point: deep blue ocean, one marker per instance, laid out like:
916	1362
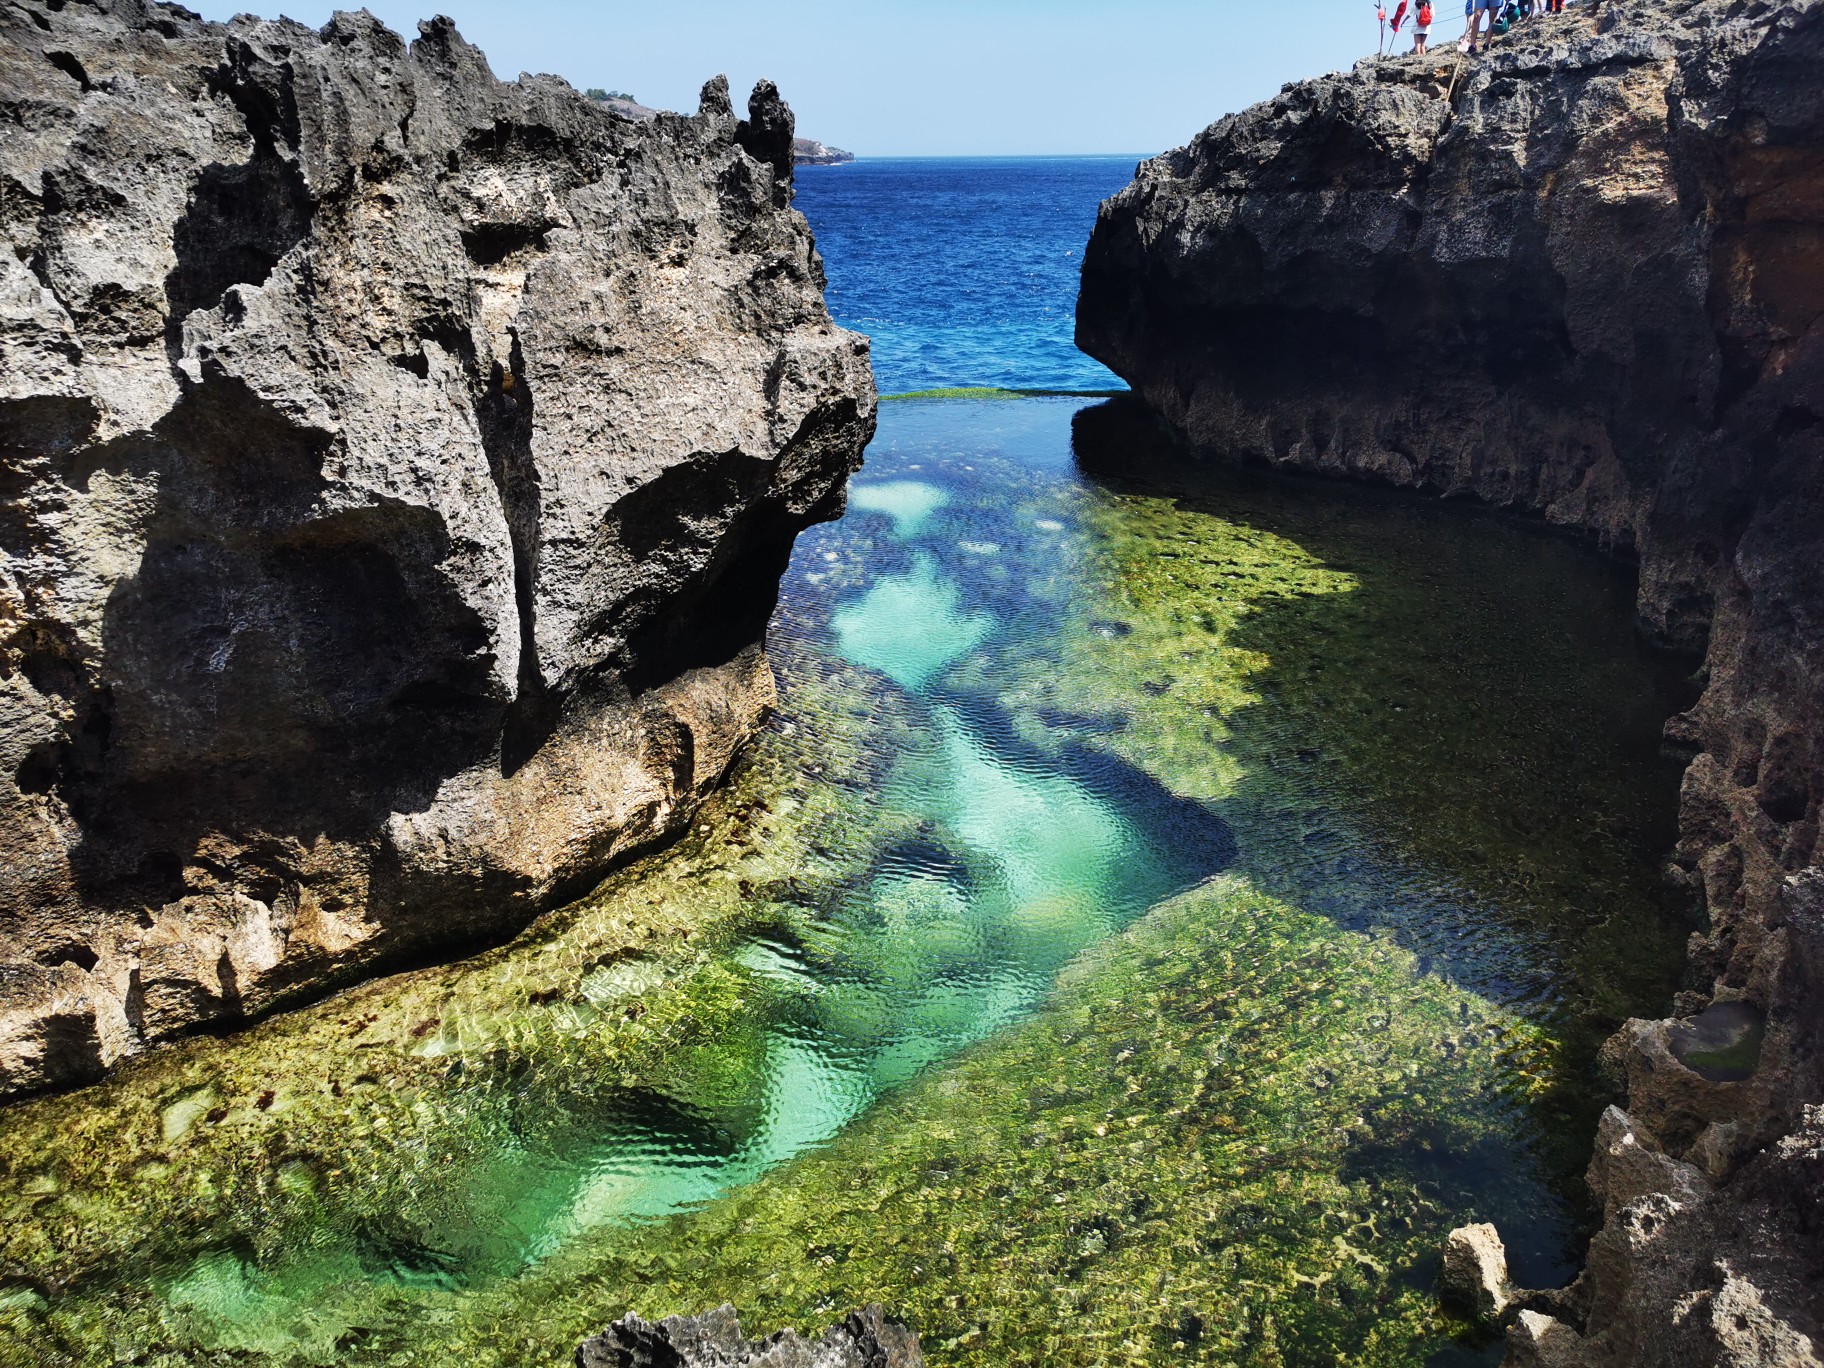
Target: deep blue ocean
963	270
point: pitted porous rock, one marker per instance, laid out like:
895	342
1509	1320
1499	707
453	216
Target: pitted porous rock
397	467
1474	1277
1579	277
867	1339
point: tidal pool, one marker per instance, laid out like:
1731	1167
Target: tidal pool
1167	902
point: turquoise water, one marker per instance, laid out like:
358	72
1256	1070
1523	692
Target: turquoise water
1013	859
1064	820
1166	902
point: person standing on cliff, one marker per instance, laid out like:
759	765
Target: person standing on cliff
1473	10
1421	28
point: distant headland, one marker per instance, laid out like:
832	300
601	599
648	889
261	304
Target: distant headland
810	152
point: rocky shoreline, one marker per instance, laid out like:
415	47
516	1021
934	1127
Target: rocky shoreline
398	467
810	152
1577	277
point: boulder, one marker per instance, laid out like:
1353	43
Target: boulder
1541	1341
1474	1278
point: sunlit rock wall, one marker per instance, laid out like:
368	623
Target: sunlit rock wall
396	471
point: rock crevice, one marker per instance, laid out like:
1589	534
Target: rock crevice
396	469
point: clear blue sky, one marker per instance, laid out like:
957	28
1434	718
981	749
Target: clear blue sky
921	77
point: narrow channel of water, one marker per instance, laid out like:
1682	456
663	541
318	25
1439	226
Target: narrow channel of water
1166	903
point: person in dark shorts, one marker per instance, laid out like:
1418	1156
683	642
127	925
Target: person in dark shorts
1476	10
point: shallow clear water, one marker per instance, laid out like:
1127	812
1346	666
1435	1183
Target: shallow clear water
1152	923
963	270
1168	901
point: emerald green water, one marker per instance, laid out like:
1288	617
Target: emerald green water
1165	905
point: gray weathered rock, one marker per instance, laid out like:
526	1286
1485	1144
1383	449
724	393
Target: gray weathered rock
867	1339
1541	1341
805	151
396	470
1578	277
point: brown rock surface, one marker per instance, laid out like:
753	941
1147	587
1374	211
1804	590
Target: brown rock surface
396	470
1474	1277
1582	277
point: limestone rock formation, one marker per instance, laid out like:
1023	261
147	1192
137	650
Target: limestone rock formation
1579	277
396	471
805	151
867	1339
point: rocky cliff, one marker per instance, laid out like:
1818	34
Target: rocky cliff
396	471
1583	277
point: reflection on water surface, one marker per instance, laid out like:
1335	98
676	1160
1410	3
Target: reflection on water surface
1153	920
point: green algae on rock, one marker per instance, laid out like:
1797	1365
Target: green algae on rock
1046	993
1158	1166
1455	685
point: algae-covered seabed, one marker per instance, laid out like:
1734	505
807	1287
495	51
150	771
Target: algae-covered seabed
1152	922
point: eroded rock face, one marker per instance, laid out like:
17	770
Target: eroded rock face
1584	277
867	1339
396	471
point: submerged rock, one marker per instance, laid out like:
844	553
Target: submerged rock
1577	277
867	1339
396	471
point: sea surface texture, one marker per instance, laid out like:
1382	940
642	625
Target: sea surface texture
1167	902
963	270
